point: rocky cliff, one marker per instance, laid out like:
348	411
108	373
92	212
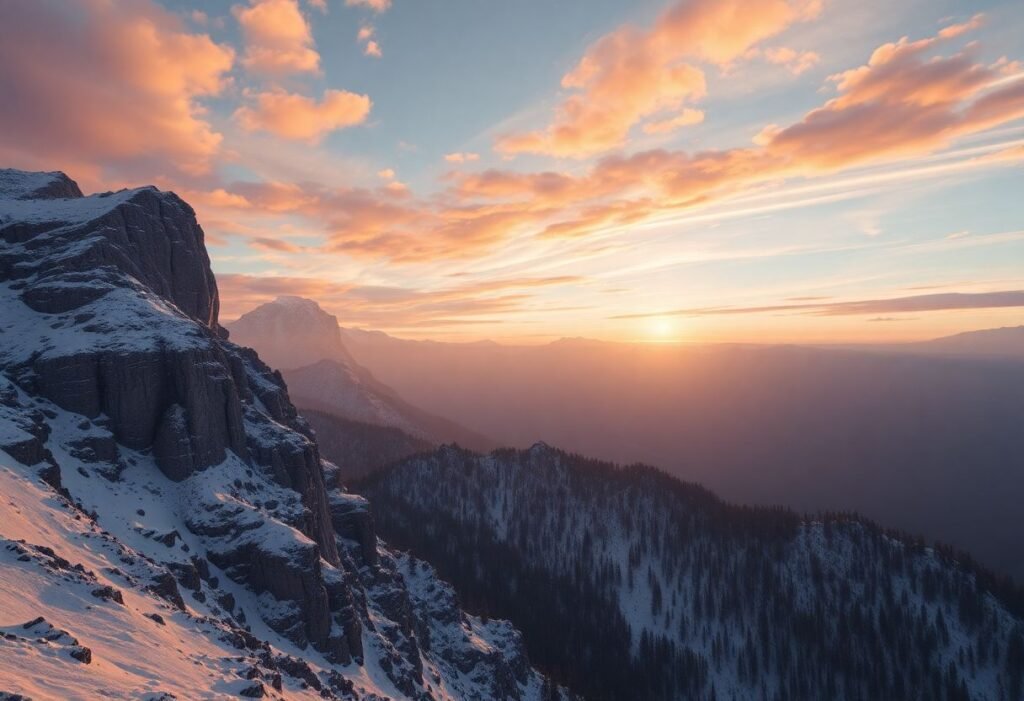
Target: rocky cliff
120	393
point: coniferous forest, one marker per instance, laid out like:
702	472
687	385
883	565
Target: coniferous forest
630	584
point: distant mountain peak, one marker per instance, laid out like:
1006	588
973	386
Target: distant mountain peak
291	332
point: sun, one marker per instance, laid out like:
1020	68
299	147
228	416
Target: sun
661	328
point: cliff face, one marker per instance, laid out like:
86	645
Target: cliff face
117	383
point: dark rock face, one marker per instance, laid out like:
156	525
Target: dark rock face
150	235
296	577
352	518
165	396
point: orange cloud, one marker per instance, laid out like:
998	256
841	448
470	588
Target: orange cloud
955	30
277	245
365	35
302	118
631	75
109	92
684	119
461	157
796	61
902	102
277	37
905	102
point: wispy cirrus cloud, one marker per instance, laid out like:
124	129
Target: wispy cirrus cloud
942	301
393	306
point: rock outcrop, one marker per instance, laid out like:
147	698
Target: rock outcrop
118	386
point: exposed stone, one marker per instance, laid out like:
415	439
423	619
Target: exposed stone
353	519
172	446
253	691
82	654
166	587
187	575
108	593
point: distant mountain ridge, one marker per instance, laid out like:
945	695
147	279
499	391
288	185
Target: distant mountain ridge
926	442
1007	341
305	343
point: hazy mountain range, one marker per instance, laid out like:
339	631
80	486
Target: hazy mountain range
922	437
926	441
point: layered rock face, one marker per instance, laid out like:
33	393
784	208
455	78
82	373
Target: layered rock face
117	383
125	332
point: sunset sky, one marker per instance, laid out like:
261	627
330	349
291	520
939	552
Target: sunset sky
698	170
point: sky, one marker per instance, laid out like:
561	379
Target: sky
643	170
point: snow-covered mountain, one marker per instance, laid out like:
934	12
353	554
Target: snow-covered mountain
296	336
628	583
169	529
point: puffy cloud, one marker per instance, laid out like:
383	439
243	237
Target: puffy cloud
631	74
298	117
278	40
375	5
111	92
461	157
366	36
386	174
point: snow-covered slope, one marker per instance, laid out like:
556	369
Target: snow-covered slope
655	587
166	512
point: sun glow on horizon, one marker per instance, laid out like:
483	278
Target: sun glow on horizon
663	329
